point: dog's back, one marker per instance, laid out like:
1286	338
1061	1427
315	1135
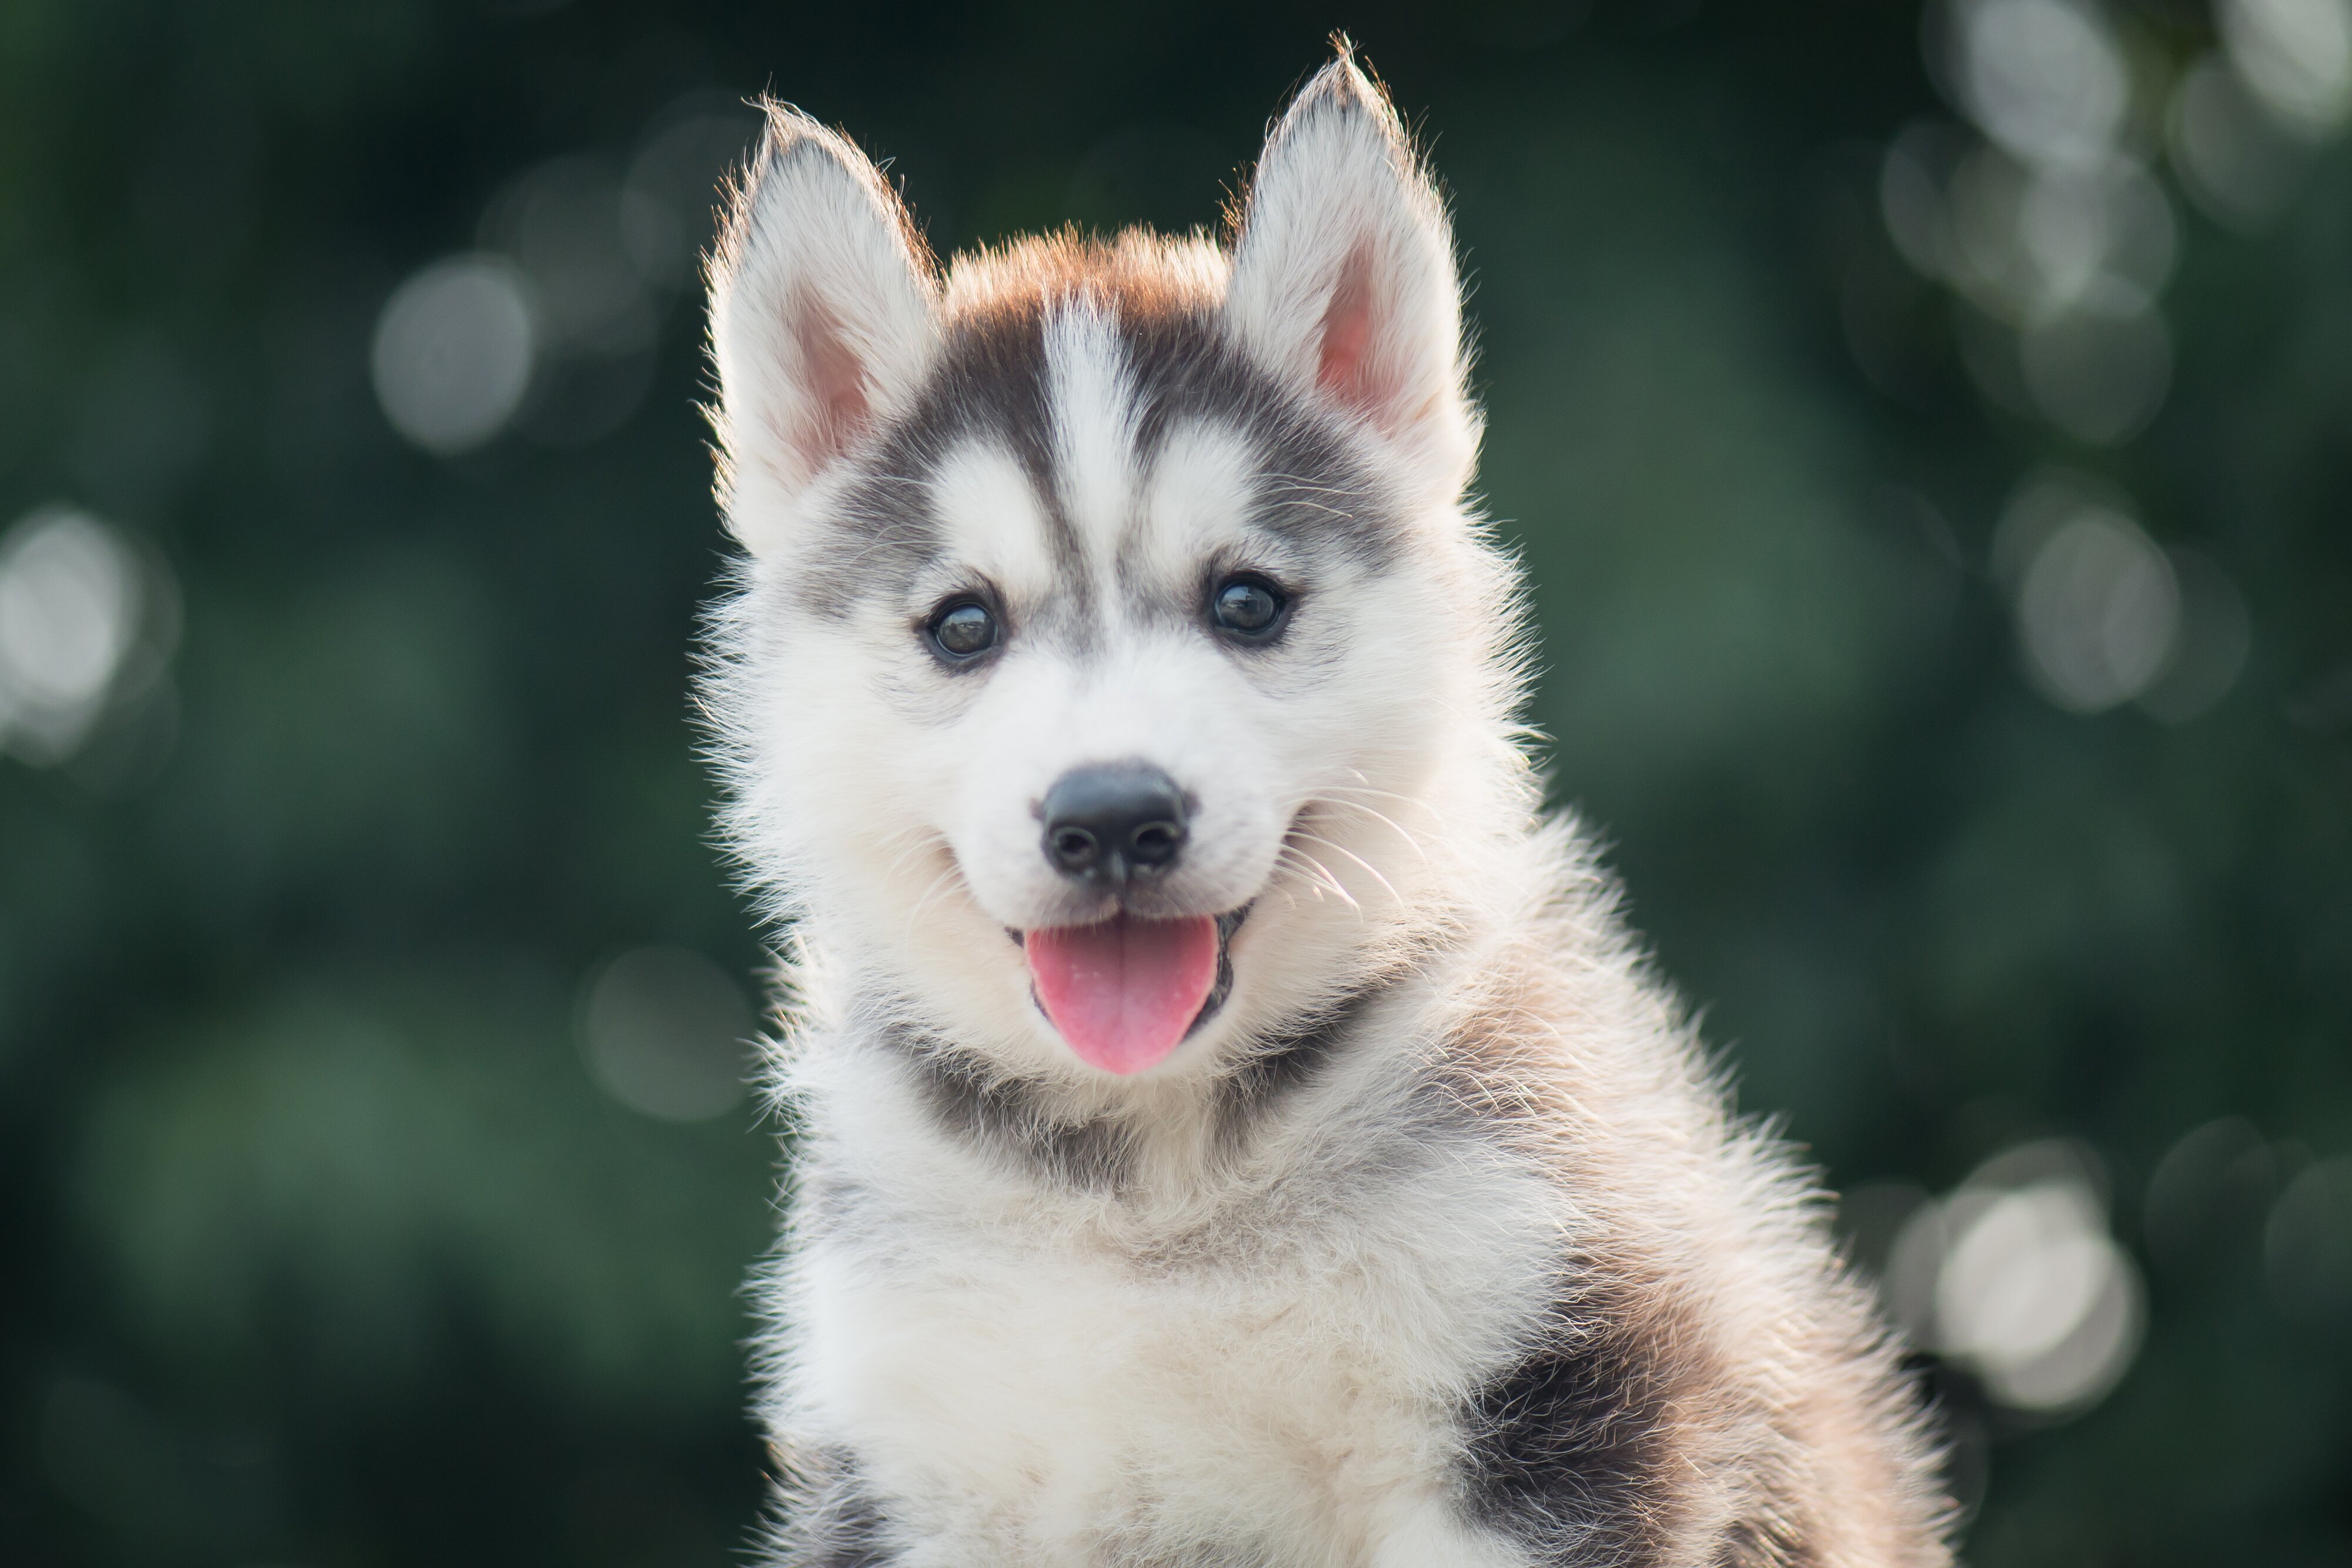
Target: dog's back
1236	1129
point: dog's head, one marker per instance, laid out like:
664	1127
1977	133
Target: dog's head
1115	661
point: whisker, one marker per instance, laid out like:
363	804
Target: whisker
1290	861
1334	883
918	839
922	904
1309	870
1386	821
1374	871
1363	786
1316	505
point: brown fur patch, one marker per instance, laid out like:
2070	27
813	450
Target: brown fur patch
1138	275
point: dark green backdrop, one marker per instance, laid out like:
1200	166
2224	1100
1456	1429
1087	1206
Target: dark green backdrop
322	1244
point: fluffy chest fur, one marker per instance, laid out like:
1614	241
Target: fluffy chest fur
1270	1364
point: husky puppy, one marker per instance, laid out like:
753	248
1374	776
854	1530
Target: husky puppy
1233	1129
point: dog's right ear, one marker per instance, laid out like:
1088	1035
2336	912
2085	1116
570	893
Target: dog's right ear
822	318
1343	280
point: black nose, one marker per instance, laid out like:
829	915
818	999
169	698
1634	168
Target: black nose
1110	824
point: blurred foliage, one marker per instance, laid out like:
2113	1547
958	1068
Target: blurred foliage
325	1246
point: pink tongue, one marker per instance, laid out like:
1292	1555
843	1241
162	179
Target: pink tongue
1124	992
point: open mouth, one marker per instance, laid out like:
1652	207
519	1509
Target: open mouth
1125	992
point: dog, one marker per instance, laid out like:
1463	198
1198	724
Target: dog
1230	1123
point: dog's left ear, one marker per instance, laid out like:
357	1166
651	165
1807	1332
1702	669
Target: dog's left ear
822	318
1343	279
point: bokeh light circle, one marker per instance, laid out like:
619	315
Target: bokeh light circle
453	352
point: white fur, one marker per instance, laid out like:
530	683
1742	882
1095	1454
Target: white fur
1338	183
820	256
1019	1370
1094	424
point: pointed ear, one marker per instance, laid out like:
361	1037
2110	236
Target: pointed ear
822	318
1343	277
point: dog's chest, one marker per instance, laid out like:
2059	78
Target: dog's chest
1294	1393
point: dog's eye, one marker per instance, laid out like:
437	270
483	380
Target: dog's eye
963	630
1248	606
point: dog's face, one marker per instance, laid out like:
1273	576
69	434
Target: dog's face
1110	607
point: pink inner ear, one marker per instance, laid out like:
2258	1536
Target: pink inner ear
1348	371
835	382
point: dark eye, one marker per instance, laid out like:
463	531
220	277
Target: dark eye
1248	606
963	630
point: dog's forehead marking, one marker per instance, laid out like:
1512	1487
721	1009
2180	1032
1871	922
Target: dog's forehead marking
1197	495
991	517
1092	400
1090	460
1154	470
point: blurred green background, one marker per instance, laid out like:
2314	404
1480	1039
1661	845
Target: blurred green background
1930	436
